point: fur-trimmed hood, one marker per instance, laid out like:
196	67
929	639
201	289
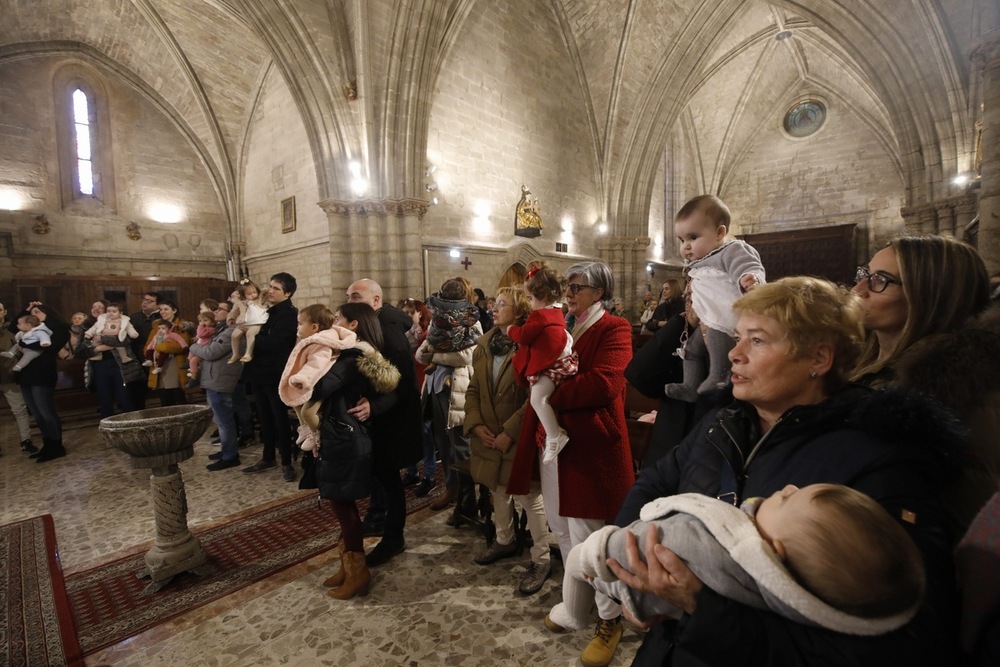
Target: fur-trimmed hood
959	369
380	372
311	359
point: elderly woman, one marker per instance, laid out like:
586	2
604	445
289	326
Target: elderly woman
173	378
797	421
924	338
594	470
494	408
38	382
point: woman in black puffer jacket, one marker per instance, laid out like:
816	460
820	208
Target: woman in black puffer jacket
344	469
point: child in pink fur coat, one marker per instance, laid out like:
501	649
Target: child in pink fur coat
312	357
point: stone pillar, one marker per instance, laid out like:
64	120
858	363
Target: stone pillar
986	58
626	256
965	212
928	219
378	240
946	220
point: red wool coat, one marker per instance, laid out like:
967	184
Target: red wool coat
595	468
540	340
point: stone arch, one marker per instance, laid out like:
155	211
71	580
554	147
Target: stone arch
512	276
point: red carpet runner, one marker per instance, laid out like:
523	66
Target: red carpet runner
36	627
107	601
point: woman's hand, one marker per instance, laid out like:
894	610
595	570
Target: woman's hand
32	304
485	436
663	574
503	443
362	410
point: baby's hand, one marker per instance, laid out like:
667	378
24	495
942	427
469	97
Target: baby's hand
748	281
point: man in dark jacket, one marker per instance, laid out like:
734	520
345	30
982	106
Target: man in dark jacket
274	343
143	320
396	428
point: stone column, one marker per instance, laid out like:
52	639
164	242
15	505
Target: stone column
986	57
378	240
626	257
965	212
946	219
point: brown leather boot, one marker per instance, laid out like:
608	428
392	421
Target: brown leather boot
451	492
357	577
338	578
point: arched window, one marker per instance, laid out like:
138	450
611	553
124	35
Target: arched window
83	120
83	180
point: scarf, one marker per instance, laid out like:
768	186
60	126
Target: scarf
500	344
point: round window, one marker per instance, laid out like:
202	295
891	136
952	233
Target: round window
804	118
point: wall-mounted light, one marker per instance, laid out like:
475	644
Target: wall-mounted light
431	187
11	199
359	184
602	228
169	214
454	254
650	270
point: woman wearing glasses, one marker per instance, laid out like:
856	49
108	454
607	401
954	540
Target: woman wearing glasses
594	471
919	294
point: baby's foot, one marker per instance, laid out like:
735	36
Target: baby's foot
156	371
17	367
190	374
246	358
553	446
46	343
147	363
233	360
6	354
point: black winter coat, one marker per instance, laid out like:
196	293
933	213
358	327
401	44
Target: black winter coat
43	370
273	344
344	469
396	425
894	447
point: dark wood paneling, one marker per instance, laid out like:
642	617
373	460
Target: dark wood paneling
828	252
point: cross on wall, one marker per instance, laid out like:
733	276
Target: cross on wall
466	263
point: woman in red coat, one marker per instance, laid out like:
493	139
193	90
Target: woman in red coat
594	471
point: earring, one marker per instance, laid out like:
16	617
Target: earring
813	375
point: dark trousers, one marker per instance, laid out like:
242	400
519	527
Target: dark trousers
110	388
395	499
275	427
172	397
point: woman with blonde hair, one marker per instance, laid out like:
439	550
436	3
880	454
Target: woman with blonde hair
494	408
926	307
796	419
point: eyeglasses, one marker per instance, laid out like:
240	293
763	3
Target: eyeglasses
877	282
575	288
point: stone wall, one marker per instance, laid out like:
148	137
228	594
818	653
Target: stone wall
153	163
508	111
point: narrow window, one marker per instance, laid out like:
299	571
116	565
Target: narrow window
82	143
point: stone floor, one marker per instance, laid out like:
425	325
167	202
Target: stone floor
431	606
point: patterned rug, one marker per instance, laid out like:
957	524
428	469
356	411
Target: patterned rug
36	627
107	600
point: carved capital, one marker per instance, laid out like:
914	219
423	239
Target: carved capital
379	208
623	243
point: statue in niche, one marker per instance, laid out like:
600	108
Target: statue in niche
41	225
132	231
527	220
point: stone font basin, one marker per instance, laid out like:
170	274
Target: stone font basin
157	437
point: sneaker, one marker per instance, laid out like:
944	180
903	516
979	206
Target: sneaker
28	446
497	551
222	464
536	575
426	486
288	473
156	371
601	649
260	466
553	446
410	480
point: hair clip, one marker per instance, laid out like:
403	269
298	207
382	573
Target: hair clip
244	281
532	272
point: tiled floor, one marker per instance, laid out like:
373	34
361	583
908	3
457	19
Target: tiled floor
430	606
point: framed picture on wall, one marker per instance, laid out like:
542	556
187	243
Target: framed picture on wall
288	215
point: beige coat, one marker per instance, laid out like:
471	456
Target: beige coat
497	403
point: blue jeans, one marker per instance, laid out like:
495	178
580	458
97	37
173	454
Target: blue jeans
430	454
222	407
108	383
41	402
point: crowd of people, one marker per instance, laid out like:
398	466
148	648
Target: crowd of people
819	453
